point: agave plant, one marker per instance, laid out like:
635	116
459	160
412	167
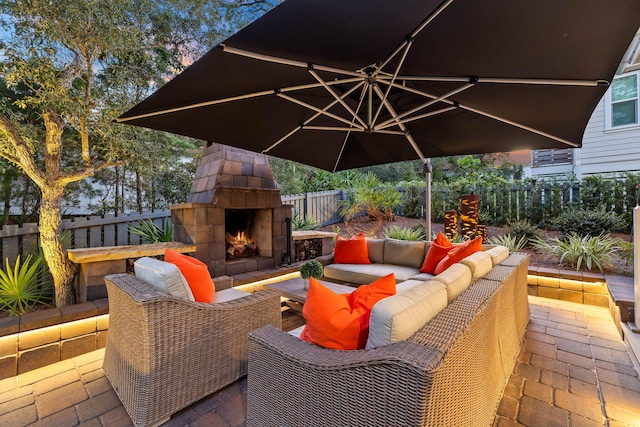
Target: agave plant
298	223
576	250
512	242
21	287
404	233
151	233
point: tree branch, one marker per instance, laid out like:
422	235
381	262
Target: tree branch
23	156
88	171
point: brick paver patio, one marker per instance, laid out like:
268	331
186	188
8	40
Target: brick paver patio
573	370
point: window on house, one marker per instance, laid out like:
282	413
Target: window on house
622	101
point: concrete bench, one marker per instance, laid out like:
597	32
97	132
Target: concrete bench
95	263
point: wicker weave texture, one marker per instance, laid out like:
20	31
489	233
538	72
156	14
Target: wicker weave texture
451	372
163	353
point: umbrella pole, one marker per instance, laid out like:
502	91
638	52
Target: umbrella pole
427	198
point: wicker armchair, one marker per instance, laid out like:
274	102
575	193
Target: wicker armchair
164	353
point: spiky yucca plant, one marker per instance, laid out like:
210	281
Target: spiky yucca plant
404	233
21	287
576	250
151	233
512	242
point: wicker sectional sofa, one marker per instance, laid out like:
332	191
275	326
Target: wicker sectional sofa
451	372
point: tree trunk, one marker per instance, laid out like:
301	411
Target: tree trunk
50	225
116	201
138	192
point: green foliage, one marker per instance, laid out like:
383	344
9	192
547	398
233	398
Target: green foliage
311	268
522	228
369	196
151	233
413	202
21	287
514	243
575	250
299	223
625	250
588	222
404	233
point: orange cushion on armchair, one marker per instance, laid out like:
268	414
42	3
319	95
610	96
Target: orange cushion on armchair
196	273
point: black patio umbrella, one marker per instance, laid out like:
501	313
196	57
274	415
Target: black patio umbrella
341	84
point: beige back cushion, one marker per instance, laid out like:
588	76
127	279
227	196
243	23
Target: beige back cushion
399	316
498	254
375	248
479	263
456	278
164	276
401	252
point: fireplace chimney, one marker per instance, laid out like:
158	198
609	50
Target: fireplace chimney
230	181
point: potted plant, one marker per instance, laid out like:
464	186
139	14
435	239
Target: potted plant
308	269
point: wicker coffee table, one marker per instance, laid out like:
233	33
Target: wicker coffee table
295	291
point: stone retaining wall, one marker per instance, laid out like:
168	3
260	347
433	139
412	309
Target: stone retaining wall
48	336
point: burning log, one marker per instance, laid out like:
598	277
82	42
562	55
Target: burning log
240	246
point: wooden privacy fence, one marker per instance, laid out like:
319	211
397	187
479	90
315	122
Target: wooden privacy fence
84	232
110	230
322	206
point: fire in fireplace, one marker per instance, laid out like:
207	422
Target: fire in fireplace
241	246
239	237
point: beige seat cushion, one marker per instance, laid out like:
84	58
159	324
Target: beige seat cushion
479	263
405	253
367	273
228	295
408	284
498	254
456	278
399	316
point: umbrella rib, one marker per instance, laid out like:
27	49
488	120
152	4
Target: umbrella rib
390	122
309	120
492	116
393	79
421	116
335	95
519	125
401	125
284	61
233	98
317	110
415	32
346	136
551	82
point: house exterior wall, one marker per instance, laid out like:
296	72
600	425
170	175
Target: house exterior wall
607	151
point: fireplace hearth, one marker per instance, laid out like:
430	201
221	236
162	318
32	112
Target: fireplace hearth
234	214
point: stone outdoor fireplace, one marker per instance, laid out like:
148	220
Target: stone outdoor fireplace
234	214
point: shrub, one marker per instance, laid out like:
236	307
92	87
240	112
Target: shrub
311	268
576	250
523	228
298	223
514	243
588	222
151	233
404	233
21	287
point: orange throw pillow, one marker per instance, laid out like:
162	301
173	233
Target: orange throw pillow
196	273
439	248
352	251
458	253
336	320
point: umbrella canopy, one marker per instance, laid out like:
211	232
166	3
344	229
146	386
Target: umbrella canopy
343	84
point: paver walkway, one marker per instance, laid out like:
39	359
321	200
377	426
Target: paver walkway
573	370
